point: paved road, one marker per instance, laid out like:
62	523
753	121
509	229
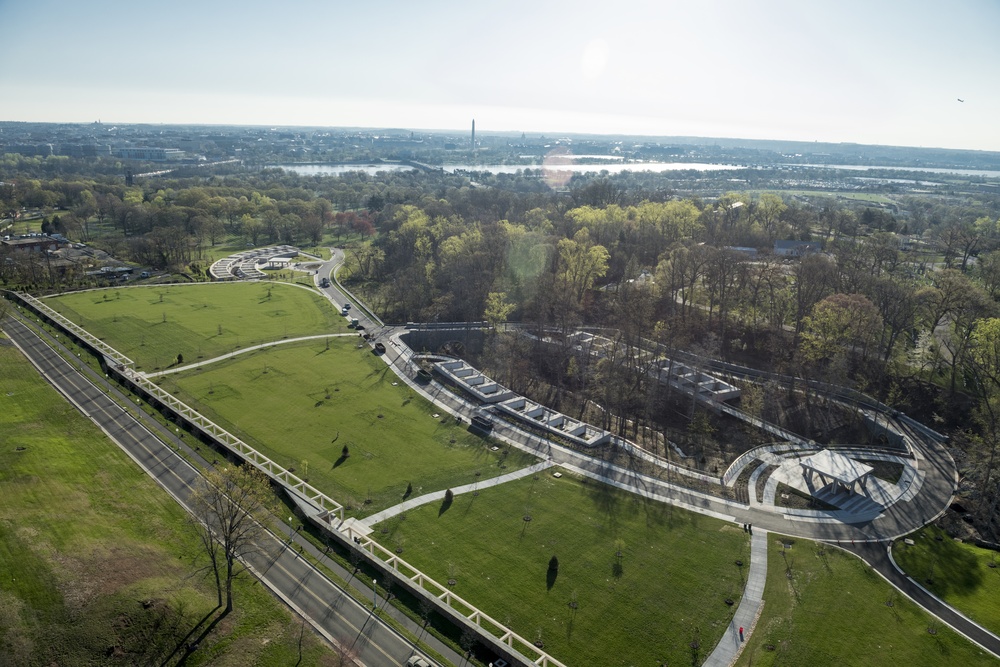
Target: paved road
333	612
877	556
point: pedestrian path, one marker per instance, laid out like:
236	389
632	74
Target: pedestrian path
439	495
745	618
244	350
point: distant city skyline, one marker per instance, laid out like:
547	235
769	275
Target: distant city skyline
857	72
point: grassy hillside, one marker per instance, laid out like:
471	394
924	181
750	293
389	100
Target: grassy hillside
99	564
152	325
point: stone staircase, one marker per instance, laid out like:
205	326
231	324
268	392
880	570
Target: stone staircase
847	501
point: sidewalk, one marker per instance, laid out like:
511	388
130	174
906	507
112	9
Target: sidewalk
439	495
730	645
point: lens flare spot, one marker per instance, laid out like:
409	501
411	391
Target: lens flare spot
554	176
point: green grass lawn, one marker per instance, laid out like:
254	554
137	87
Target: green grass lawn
99	565
302	403
823	606
152	325
646	607
960	573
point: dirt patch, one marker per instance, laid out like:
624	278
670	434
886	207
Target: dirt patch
105	572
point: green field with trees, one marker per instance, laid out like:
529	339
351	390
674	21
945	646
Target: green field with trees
340	418
153	325
634	582
84	581
823	606
965	576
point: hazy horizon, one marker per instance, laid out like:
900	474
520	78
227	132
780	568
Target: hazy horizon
846	72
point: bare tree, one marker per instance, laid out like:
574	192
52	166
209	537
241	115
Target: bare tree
231	508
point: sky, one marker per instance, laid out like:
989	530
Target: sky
864	71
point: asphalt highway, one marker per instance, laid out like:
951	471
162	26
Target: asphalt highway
335	614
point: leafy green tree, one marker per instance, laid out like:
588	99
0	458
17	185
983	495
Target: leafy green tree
497	309
837	324
581	263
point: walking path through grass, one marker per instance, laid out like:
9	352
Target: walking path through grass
824	606
742	625
230	355
153	324
468	488
633	581
339	417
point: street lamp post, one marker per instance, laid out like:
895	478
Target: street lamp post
374	595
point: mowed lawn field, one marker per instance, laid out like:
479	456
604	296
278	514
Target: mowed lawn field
152	325
823	606
665	591
963	575
99	565
302	403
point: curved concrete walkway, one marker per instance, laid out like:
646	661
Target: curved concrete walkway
458	490
243	350
731	644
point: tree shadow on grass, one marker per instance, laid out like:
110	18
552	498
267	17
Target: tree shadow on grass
953	569
193	646
340	460
183	643
468	505
550	578
606	501
446	504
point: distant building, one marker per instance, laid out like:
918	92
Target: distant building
796	248
147	154
33	243
85	150
41	150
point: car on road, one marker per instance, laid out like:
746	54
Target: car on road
325	282
380	348
417	661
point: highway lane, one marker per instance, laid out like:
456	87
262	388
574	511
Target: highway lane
335	615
